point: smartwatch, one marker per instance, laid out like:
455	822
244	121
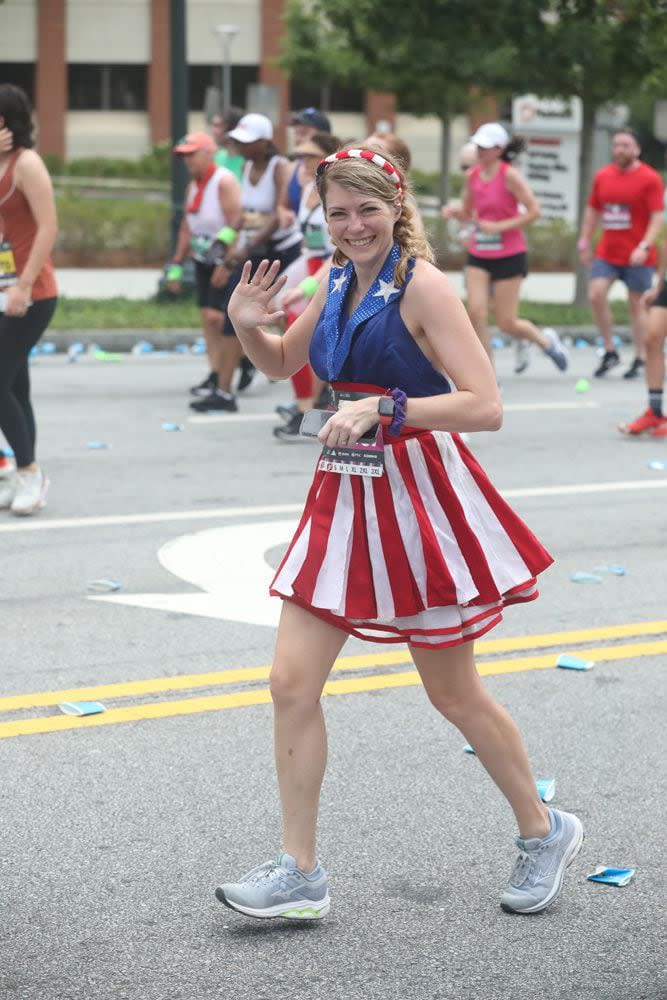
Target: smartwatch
386	410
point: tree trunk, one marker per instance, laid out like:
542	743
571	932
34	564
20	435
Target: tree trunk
445	142
585	178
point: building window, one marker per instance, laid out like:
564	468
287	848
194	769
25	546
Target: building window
202	78
21	75
95	87
325	98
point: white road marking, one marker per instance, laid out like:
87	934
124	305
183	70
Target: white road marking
224	513
229	565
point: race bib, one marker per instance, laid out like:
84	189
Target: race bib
251	223
200	244
485	242
8	274
359	460
616	216
365	458
314	238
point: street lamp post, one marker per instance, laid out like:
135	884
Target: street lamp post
226	34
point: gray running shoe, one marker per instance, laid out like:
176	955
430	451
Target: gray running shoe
521	356
278	889
537	877
556	349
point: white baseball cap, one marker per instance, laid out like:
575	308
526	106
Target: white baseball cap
251	128
489	135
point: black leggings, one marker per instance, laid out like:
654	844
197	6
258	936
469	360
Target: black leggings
18	335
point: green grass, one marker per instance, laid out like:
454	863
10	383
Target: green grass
118	314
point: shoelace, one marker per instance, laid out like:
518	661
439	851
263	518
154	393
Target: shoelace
269	871
525	865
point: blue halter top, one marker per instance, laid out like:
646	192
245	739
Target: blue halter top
372	346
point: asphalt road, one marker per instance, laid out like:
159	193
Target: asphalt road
114	835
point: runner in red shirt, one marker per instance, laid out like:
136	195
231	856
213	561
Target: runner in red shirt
626	201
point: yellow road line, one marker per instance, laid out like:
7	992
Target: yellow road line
184	682
351	685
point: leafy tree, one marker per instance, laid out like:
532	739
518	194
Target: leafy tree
605	52
433	54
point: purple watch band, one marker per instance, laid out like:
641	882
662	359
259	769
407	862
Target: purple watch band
400	402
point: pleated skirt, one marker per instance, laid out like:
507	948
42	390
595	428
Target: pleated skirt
429	553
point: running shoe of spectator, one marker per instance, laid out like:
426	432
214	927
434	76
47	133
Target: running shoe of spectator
287	412
248	372
648	423
205	388
290	430
278	889
30	494
609	360
556	349
635	369
521	356
537	877
215	401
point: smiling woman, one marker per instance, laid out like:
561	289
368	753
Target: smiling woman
403	540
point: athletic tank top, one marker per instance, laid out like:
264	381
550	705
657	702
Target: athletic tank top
17	234
259	201
492	202
316	239
210	218
382	352
294	189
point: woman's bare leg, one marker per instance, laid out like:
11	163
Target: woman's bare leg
306	649
454	687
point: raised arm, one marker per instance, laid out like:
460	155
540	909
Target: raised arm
250	311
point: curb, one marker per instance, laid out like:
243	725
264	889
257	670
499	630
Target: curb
122	341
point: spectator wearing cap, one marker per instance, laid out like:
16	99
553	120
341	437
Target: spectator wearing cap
209	225
306	123
227	154
260	234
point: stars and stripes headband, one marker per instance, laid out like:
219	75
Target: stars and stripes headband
362	154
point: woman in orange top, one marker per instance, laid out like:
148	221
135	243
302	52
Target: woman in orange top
28	293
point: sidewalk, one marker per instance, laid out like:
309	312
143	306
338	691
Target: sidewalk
141	283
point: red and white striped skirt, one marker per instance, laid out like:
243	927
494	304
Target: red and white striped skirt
429	553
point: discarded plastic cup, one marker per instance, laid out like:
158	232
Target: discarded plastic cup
104	585
172	427
580	577
546	788
497	343
181	349
580	342
569	662
97	445
611	876
82	707
582	385
656	464
468	749
48	347
107	356
74	350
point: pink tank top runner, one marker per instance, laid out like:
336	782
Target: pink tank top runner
492	201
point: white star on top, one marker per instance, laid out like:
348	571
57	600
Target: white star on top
387	289
337	284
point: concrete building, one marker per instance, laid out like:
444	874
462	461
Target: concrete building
98	73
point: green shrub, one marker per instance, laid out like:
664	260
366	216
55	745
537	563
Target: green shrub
93	226
153	165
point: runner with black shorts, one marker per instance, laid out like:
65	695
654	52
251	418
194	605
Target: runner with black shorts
501	204
210	223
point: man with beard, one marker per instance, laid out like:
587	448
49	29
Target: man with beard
626	200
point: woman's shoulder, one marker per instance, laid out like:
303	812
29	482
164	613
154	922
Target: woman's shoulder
28	166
